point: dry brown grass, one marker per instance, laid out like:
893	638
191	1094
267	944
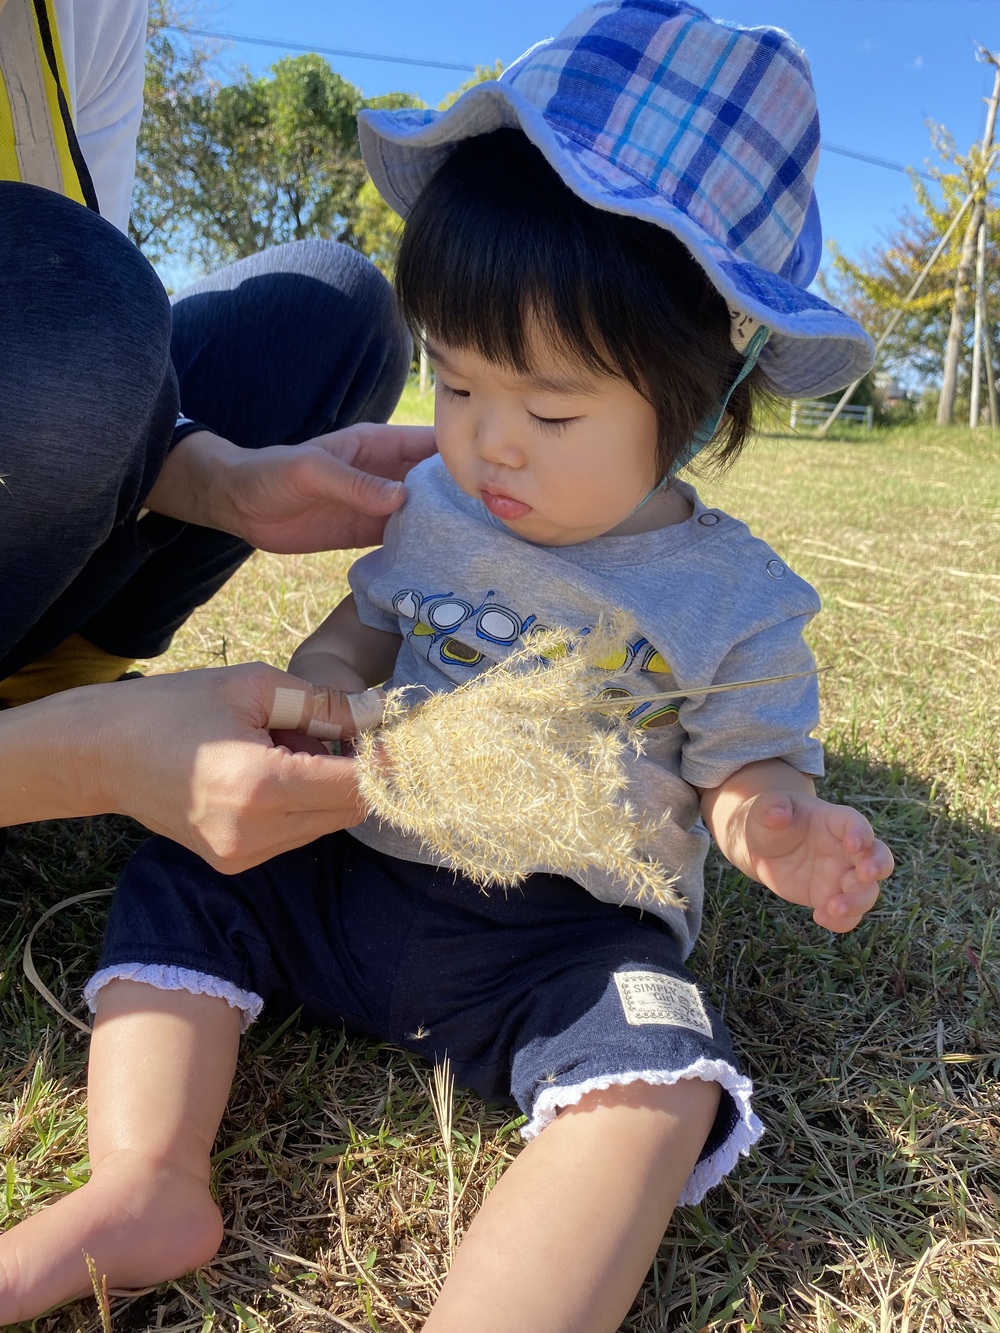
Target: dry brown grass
543	770
873	1201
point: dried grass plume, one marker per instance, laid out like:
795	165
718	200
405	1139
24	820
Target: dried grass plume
517	770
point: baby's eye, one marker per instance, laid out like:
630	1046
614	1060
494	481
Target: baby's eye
450	392
554	424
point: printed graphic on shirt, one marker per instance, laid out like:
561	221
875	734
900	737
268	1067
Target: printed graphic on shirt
653	997
435	619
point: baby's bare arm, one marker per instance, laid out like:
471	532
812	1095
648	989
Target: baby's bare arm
768	821
345	653
725	808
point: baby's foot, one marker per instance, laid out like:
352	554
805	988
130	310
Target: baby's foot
141	1222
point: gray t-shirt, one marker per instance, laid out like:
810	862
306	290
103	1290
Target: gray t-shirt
711	603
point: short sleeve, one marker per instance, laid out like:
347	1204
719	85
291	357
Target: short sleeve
109	38
364	577
725	731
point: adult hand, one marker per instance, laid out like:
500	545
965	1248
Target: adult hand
333	492
188	755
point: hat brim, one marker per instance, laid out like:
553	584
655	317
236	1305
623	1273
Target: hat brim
814	348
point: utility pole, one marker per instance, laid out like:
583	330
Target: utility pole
953	347
884	335
991	383
979	326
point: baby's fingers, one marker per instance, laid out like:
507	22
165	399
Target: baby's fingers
859	890
857	837
845	910
877	863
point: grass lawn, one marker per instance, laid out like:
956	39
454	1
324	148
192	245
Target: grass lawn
873	1202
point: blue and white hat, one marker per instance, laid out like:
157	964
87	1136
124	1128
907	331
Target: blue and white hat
709	130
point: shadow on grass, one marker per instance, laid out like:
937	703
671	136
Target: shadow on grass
875	1056
872	1199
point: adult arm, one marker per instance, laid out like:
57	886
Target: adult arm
188	755
333	492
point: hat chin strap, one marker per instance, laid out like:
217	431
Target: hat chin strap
710	424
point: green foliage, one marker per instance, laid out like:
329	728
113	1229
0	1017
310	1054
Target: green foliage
377	229
278	158
225	170
876	286
270	159
175	74
483	74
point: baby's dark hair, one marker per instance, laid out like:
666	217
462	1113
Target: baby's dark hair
497	242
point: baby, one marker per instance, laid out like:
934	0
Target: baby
606	254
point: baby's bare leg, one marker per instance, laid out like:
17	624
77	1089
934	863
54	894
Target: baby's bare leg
161	1065
567	1235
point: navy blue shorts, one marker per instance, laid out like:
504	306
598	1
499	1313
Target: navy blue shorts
539	993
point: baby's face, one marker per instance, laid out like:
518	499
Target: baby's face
559	454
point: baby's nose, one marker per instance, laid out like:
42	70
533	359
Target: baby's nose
498	443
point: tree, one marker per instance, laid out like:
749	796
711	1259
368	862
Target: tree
874	287
175	75
483	74
377	229
271	159
226	170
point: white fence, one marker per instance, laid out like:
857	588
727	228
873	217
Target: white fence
811	412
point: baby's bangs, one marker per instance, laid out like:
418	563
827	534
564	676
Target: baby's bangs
500	257
482	270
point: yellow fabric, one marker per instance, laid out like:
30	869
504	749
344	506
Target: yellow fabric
8	150
73	662
37	140
53	84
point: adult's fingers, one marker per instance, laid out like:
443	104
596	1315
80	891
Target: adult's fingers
322	712
320	785
385	450
352	486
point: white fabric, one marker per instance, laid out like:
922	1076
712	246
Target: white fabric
706	1173
177	978
103	45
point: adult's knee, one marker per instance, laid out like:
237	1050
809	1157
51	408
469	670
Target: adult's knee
290	343
85	380
372	333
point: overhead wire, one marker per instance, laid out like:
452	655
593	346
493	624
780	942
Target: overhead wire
460	68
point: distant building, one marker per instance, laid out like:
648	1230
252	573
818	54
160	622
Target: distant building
891	391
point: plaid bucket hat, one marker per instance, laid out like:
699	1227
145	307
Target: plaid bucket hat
707	129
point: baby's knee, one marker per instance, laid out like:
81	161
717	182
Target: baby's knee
683	1098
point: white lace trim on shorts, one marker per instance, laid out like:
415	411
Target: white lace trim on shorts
706	1173
177	978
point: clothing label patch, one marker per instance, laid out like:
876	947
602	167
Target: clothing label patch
652	997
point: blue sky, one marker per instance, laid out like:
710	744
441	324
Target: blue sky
882	69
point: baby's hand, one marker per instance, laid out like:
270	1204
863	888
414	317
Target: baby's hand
816	854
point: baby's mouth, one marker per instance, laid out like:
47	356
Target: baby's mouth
504	507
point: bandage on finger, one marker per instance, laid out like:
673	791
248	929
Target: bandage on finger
367	709
293	708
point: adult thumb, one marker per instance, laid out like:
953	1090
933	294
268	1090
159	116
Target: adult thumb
366	492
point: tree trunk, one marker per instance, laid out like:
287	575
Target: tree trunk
953	347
